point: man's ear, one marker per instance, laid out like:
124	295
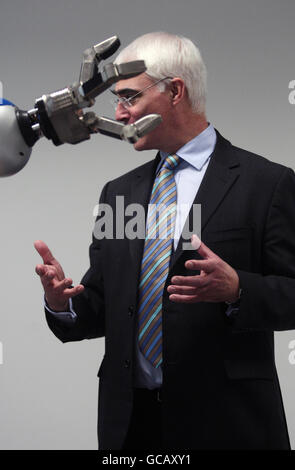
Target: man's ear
177	90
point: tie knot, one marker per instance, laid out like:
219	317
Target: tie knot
171	162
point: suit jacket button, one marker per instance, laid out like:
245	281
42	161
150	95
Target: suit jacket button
127	364
130	310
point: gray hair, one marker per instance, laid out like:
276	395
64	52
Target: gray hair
169	55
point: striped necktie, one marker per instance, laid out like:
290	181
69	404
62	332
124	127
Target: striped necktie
156	259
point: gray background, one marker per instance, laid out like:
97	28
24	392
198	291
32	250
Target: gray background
48	391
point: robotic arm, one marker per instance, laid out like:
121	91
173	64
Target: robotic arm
59	115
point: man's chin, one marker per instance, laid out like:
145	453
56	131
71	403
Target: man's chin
142	144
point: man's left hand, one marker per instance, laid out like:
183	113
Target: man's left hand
217	281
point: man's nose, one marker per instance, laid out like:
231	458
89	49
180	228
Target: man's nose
122	114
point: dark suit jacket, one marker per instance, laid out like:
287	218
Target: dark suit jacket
220	386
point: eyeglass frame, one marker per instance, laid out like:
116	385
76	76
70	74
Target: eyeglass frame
126	102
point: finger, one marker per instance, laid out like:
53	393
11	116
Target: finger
44	252
49	275
201	248
184	290
40	269
61	286
200	265
196	242
190	281
45	272
74	291
185	299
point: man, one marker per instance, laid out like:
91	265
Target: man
189	350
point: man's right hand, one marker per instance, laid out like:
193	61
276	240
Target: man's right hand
56	286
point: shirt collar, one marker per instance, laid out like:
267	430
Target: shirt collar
197	151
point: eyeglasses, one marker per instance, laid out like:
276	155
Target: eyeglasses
128	102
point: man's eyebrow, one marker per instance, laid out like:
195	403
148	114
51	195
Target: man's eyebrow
124	91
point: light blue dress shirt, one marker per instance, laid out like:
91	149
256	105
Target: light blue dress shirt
188	175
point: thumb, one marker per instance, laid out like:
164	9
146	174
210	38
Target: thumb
44	252
201	248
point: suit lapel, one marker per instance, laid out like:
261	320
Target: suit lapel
221	175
